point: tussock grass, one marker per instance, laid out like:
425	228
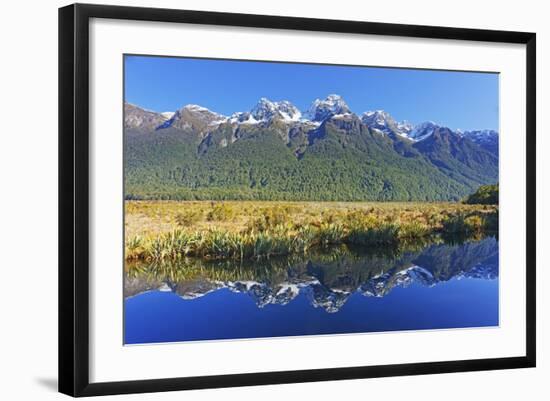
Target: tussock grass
254	230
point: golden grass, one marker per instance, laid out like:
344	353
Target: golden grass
237	229
154	217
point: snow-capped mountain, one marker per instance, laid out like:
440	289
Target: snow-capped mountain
193	117
405	127
422	131
332	105
382	121
480	135
378	119
242	117
286	151
138	118
266	110
487	139
385	123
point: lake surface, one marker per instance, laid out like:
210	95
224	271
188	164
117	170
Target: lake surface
342	290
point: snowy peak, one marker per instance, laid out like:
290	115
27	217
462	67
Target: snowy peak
321	110
288	111
379	120
487	139
405	127
423	130
242	117
193	116
379	117
138	118
480	135
266	110
203	112
384	122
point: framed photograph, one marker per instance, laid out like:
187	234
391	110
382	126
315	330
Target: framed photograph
250	199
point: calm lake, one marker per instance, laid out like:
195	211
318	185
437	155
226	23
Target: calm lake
341	290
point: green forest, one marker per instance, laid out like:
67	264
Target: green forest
333	163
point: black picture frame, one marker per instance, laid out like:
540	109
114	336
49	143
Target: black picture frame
74	198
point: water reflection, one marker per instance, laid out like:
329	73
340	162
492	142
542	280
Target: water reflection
327	279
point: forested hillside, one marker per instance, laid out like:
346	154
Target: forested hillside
272	153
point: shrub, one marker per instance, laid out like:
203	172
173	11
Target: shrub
383	234
188	217
455	224
485	195
220	212
413	230
270	217
135	247
304	239
463	224
329	234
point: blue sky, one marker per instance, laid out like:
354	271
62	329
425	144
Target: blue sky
463	100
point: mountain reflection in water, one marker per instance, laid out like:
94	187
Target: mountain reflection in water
328	279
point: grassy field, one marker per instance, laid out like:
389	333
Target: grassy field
158	230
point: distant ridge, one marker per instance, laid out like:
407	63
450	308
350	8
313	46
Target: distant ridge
266	111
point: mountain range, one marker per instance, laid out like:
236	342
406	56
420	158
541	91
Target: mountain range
277	152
